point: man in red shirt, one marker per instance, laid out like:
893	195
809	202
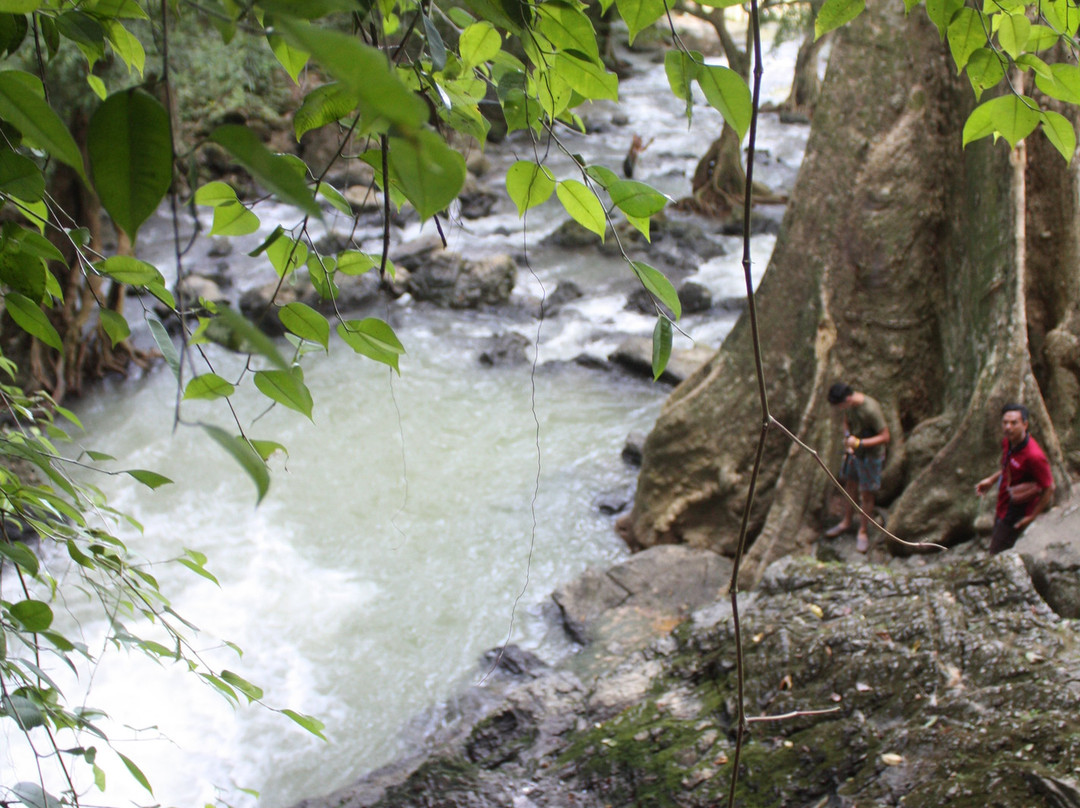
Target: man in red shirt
1025	484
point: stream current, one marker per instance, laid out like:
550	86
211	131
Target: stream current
420	519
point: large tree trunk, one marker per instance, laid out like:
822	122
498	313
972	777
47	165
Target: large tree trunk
901	268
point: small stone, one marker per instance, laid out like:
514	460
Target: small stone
892	759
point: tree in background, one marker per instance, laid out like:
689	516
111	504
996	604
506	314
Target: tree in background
935	271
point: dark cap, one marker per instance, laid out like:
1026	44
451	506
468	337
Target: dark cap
839	392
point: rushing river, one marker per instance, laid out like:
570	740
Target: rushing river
418	521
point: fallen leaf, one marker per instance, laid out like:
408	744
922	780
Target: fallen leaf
862	687
785	683
892	759
836	697
815	610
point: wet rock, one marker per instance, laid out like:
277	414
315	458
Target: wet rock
476	203
635	354
506	349
760	224
1050	548
412	254
564	292
363	198
936	681
614	501
516	661
662	583
736	305
694	297
193	288
634	448
449	280
220	247
572	236
261	303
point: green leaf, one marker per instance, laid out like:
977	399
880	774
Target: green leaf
208	386
20	177
126	45
252	692
428	172
306	323
248	336
372	338
26	109
21	555
165	345
198	568
285	387
233	219
985	68
215	193
681	68
636	198
1041	37
36	213
354	263
30	318
116	327
1065	85
20	6
583	206
639	14
292	59
151	479
312	725
266	448
659	286
529	185
567	27
640	224
726	92
1012	117
479	43
1027	61
272	171
361	69
243	454
121	9
32	615
588	79
325	104
1059	130
435	46
132	271
1012	32
334	197
287	255
25	712
941	13
603	176
966	35
835	13
32	796
135	771
661	346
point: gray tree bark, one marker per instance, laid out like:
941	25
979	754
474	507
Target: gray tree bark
905	266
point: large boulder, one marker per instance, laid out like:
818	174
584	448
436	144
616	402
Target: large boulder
1050	548
918	687
447	279
635	354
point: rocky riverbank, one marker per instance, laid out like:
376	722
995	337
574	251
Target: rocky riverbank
923	682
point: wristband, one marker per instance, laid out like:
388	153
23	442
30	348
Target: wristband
858	442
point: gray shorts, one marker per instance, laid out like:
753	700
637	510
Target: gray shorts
866	471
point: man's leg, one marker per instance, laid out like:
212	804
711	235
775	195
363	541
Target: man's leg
1003	537
852	488
862	540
